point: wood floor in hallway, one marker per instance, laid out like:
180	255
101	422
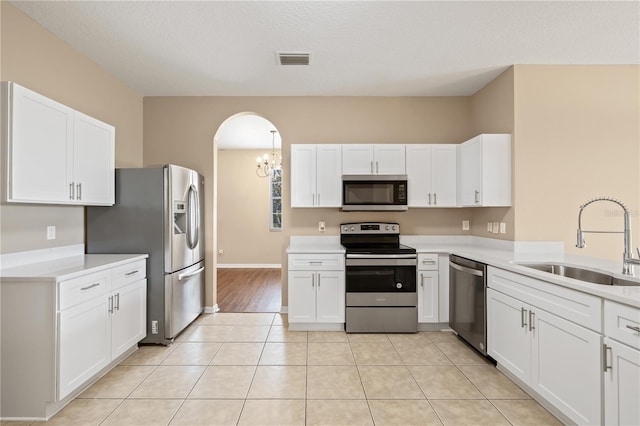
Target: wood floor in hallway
249	290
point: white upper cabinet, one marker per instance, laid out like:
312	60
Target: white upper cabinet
431	172
383	159
484	171
54	154
316	179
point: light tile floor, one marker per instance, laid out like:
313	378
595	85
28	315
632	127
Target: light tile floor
248	369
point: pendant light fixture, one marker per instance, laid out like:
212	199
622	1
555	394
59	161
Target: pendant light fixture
266	163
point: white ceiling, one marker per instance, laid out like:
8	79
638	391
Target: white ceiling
359	48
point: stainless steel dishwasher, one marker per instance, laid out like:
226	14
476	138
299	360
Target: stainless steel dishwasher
467	301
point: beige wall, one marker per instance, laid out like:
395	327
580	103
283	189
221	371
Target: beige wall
181	130
492	111
33	57
244	211
578	137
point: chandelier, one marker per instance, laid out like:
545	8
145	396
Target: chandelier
266	164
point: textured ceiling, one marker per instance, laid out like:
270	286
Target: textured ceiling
359	48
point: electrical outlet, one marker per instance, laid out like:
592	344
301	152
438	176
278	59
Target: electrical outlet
321	226
496	227
465	225
51	232
489	227
221	252
503	228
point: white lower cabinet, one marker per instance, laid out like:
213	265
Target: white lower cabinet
82	327
428	286
316	290
557	358
621	364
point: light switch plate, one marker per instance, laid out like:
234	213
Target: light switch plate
321	226
465	225
489	227
503	228
51	232
496	228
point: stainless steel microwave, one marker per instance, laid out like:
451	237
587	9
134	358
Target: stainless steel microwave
374	192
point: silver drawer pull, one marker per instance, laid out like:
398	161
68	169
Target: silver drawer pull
318	263
523	318
605	364
117	304
532	319
90	286
428	262
634	328
132	272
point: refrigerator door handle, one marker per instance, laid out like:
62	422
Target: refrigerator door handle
193	217
190	274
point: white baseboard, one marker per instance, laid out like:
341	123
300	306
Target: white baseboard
249	265
211	309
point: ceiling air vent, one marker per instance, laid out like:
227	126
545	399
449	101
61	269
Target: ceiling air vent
291	58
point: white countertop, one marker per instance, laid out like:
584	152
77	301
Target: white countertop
66	267
504	255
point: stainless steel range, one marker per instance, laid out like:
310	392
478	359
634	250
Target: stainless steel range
380	279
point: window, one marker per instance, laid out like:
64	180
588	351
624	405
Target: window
275	190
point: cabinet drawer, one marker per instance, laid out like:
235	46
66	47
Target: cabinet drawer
125	274
81	289
622	323
316	262
581	308
427	261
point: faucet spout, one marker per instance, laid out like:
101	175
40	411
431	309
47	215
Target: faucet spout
627	257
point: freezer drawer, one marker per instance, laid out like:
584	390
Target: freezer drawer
184	298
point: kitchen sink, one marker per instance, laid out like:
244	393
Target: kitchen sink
581	274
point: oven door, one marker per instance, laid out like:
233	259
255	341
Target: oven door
366	275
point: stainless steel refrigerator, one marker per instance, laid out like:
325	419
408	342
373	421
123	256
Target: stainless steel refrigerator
158	210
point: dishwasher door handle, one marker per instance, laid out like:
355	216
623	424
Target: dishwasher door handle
471	271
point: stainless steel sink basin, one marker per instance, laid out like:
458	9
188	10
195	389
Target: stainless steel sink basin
581	274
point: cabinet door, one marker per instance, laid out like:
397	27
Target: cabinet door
470	172
419	175
330	295
508	339
84	343
389	159
93	161
443	175
303	175
621	384
566	367
357	159
40	148
329	175
302	296
128	321
427	296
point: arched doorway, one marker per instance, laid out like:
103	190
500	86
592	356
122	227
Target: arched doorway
248	212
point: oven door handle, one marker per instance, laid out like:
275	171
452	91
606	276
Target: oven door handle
471	271
382	256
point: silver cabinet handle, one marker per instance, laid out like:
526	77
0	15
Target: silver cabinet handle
190	274
428	262
523	318
318	279
313	202
429	198
90	286
435	200
318	198
371	164
315	262
117	304
634	328
605	365
132	273
377	168
421	280
313	280
110	304
532	318
71	193
79	191
476	196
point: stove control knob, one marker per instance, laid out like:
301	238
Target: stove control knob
345	228
352	229
398	285
386	228
393	228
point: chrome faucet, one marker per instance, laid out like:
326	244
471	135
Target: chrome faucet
627	257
